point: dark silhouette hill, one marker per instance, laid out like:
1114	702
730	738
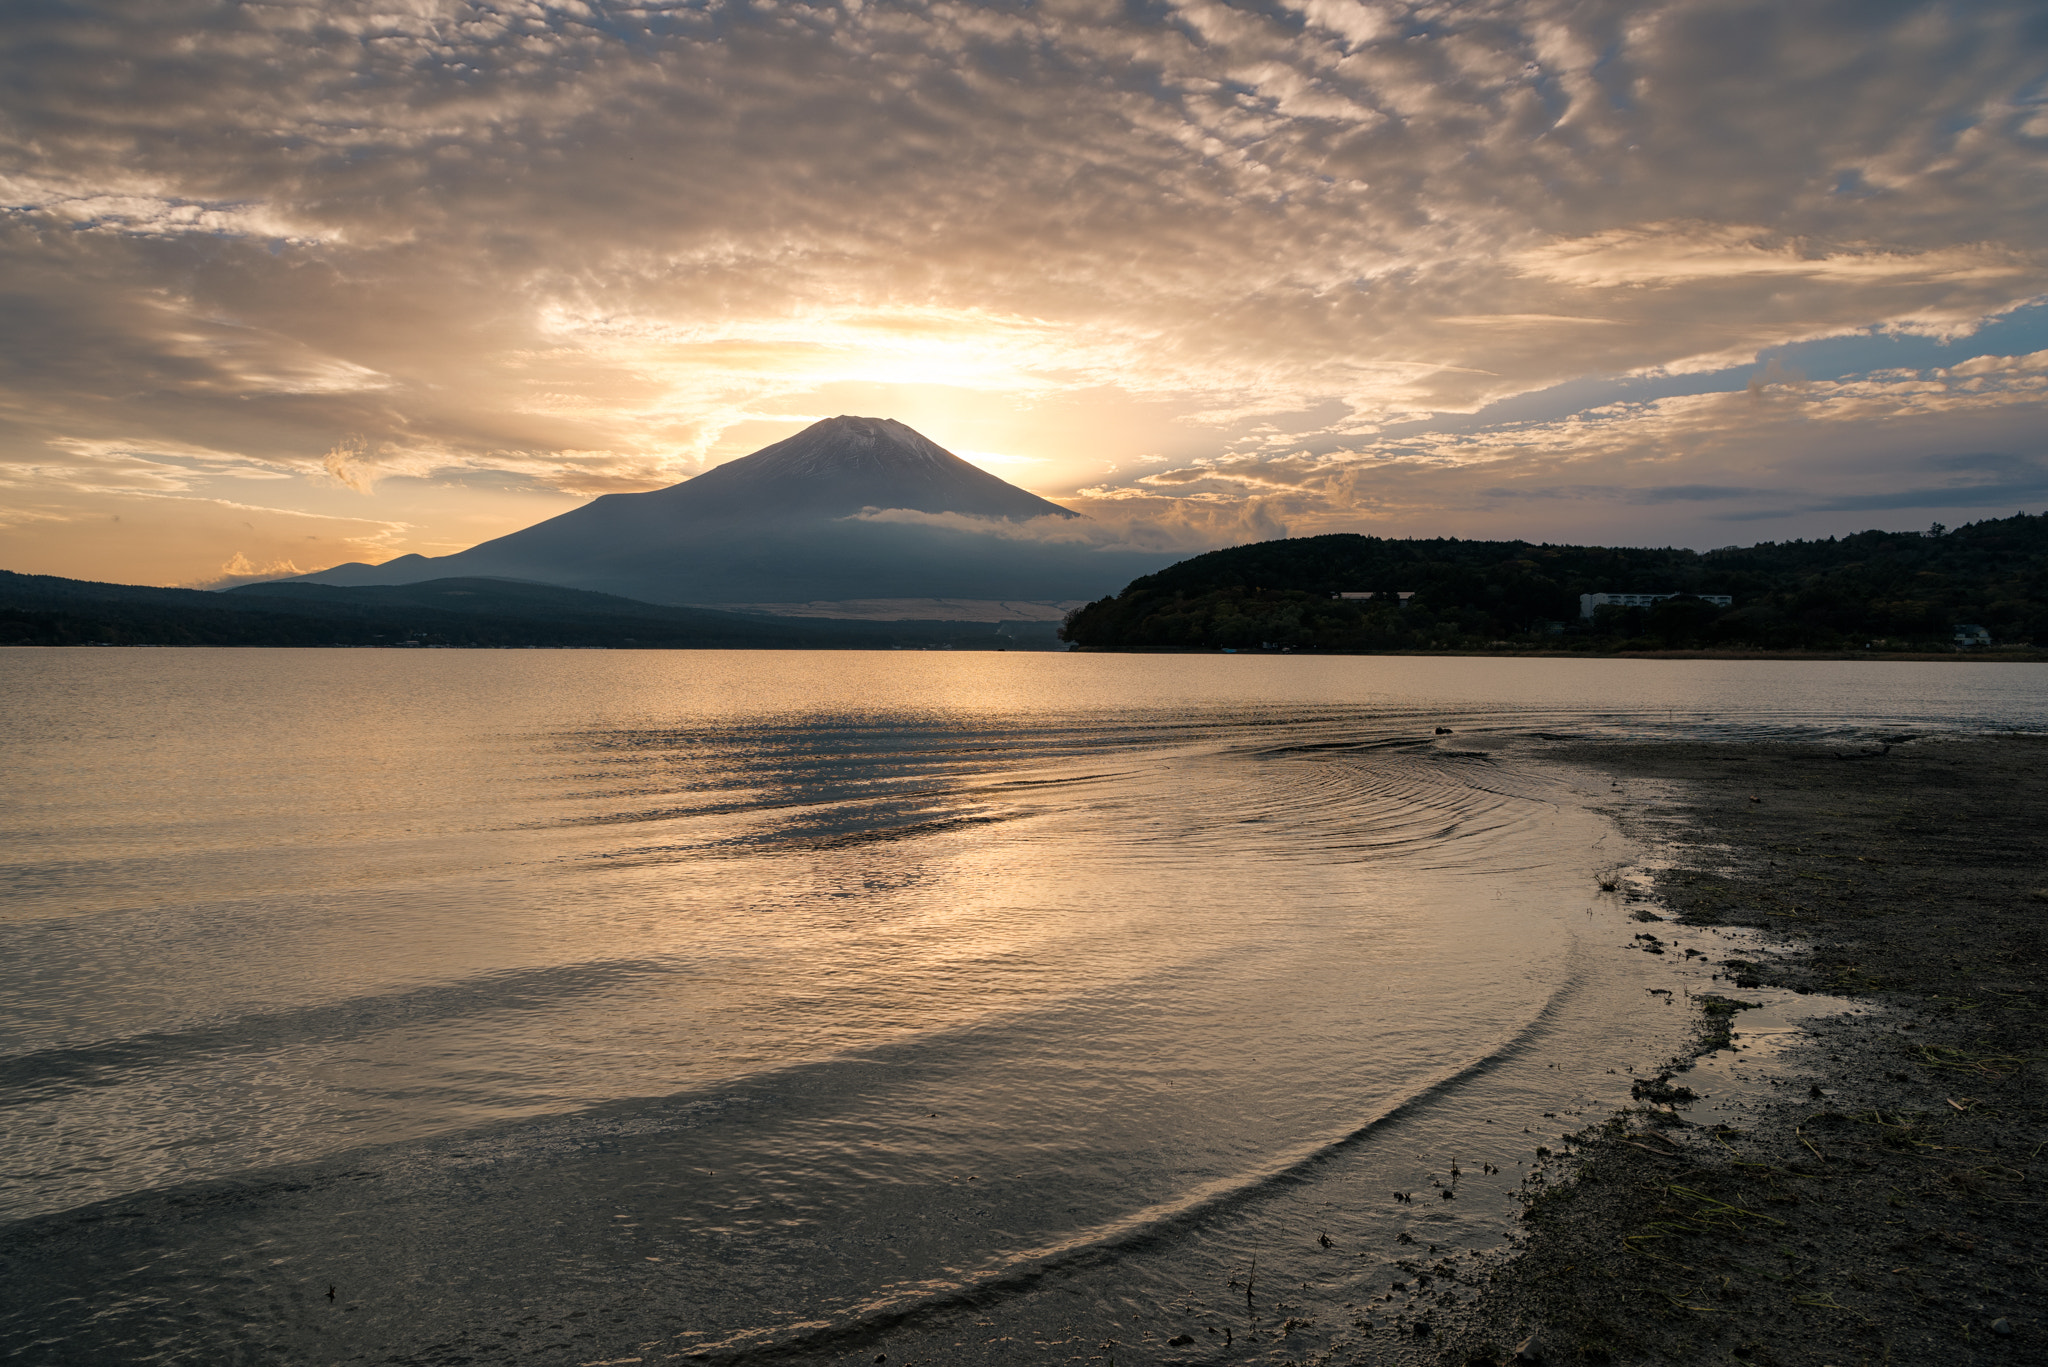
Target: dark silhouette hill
785	525
1875	589
485	597
45	610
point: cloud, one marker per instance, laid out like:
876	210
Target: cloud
1807	450
2012	480
130	465
1773	374
347	464
1119	520
1670	253
1998	365
150	537
240	569
598	248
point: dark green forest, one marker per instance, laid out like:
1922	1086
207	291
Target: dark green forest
1886	591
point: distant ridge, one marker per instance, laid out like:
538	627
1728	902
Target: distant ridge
44	610
784	525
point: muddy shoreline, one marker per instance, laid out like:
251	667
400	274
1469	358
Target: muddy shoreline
1891	1211
2002	655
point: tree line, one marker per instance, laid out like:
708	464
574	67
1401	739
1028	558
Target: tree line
1901	591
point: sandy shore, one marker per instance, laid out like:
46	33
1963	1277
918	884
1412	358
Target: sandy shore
1893	1212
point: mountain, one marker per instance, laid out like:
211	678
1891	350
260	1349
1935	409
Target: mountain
836	468
1874	590
785	525
45	610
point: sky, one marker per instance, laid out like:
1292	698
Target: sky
287	285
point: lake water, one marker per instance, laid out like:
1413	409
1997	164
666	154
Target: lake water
582	1007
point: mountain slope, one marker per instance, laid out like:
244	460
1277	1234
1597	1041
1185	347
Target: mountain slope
783	525
838	467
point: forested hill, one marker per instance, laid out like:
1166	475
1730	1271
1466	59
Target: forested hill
1891	590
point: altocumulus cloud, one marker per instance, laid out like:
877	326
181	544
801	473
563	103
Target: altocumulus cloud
371	247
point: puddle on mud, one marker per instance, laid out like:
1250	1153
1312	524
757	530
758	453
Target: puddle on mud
1766	1053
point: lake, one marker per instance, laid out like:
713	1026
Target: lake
732	1006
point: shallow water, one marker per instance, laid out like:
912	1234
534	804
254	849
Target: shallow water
578	1006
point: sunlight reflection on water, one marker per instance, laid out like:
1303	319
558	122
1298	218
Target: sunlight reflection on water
849	977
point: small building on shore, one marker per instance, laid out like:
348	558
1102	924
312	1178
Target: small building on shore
1589	603
1969	635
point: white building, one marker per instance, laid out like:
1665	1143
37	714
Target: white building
1967	635
1591	602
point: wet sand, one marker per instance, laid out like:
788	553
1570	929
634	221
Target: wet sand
1891	1211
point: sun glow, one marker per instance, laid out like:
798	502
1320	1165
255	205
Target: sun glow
703	392
959	348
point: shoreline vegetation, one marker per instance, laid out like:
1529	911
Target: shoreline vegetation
1981	585
1890	1213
